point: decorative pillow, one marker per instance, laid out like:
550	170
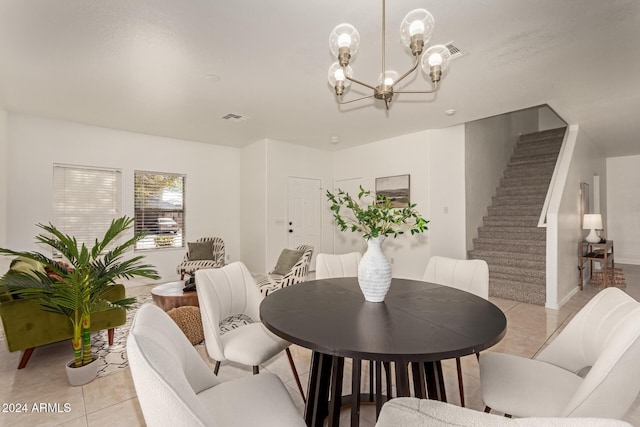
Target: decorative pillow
27	265
286	261
200	251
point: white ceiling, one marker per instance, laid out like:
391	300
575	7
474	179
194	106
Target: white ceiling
142	65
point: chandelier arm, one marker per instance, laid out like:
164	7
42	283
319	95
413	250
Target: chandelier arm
411	70
435	88
341	102
359	82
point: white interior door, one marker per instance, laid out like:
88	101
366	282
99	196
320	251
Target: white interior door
304	225
348	241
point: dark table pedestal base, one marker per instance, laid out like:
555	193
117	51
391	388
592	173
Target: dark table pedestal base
325	398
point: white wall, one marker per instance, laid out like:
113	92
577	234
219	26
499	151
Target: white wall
4	176
582	161
415	154
489	145
623	208
284	160
548	119
212	183
253	206
447	210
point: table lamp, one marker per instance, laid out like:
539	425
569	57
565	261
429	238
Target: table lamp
592	222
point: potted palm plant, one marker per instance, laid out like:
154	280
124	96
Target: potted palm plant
375	217
77	288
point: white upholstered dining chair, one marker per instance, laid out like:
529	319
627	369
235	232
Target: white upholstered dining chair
410	411
175	387
230	308
590	369
343	265
470	275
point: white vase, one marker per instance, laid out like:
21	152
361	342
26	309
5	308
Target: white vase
84	374
374	271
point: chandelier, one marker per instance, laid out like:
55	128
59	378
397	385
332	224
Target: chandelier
415	31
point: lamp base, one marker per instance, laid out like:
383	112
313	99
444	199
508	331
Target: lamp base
593	237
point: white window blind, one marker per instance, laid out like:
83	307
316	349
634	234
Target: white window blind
85	201
159	209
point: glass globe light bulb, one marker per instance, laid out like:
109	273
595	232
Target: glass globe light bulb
344	40
436	55
337	74
435	59
416	27
344	35
418	21
388	78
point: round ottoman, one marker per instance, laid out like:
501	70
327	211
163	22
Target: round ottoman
188	319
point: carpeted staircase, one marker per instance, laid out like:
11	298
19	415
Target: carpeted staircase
509	239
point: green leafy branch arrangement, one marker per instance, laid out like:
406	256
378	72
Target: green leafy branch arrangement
373	215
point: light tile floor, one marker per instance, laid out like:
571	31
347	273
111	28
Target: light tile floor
112	400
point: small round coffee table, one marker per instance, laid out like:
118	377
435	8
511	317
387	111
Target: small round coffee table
170	295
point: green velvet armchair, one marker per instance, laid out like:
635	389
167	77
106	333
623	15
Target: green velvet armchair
27	326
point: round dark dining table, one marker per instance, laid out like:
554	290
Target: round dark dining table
418	325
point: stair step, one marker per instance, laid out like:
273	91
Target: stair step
515	256
518	200
540	142
531	165
511	211
495	262
518	291
537	149
510	245
543	135
527	159
514	190
511	221
534	280
525	180
534	272
512	233
528	171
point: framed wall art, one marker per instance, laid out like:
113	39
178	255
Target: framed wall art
396	188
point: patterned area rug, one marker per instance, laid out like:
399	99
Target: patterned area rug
616	278
114	358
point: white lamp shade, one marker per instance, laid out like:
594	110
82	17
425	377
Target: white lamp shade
592	222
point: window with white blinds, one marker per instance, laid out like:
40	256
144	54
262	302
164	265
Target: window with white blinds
159	209
85	201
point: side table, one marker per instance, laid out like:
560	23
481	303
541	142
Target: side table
589	252
170	295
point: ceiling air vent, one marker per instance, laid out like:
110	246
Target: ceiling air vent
455	51
235	117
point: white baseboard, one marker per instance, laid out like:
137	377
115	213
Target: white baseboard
632	261
567	298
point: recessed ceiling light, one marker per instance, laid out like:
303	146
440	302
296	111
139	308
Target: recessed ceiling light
212	77
334	140
450	112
